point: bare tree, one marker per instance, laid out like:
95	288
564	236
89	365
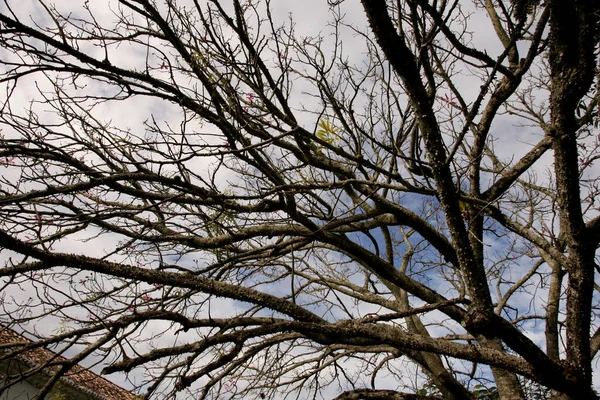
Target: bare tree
207	198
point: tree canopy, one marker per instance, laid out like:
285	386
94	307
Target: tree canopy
263	200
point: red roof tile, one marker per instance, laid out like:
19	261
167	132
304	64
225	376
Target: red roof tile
79	377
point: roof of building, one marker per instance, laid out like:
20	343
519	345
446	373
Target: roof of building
79	377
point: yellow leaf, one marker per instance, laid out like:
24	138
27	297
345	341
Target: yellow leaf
327	133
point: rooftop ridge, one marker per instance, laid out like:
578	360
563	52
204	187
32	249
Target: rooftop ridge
79	377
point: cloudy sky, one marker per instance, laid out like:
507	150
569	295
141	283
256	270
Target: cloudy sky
513	137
